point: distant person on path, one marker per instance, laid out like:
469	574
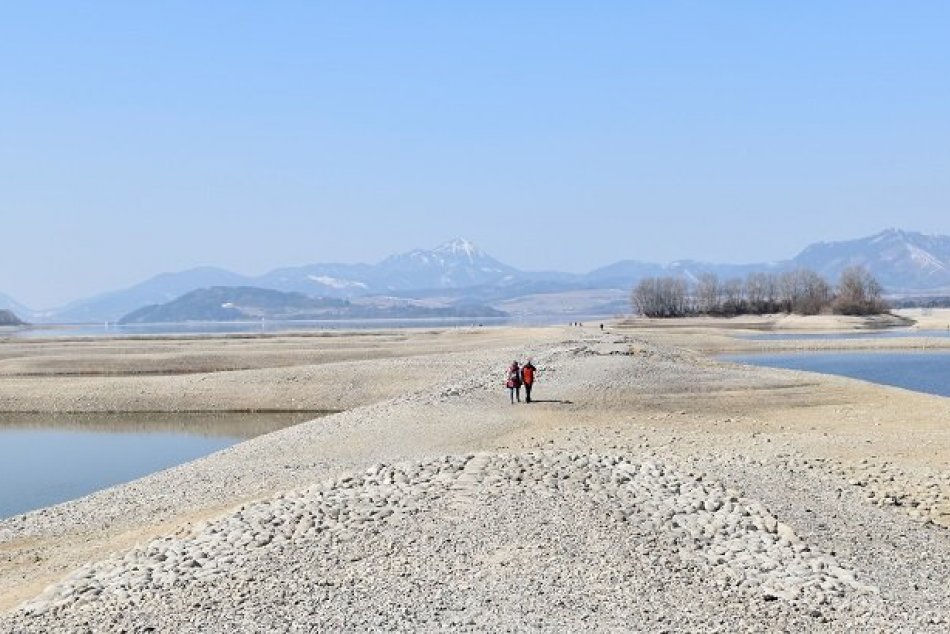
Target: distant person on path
513	381
527	377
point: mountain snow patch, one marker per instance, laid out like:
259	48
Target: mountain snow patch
924	259
333	282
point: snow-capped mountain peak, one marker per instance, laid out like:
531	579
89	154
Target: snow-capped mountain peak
454	264
460	246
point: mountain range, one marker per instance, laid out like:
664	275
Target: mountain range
458	273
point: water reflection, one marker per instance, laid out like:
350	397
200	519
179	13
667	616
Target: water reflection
238	425
47	459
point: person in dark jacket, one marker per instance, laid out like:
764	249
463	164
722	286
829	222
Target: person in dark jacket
528	372
513	381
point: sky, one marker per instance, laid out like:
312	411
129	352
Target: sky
144	137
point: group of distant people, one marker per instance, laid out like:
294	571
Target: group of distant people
518	376
580	324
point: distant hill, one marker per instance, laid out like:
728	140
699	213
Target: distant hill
155	290
246	303
7	318
455	264
625	270
8	303
902	261
325	280
458	273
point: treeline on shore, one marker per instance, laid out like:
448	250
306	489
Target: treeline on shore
801	291
921	302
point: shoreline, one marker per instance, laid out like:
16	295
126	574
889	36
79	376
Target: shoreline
294	372
642	394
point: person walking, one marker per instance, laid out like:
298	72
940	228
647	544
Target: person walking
527	378
513	381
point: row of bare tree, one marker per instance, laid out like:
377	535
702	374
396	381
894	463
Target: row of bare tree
801	291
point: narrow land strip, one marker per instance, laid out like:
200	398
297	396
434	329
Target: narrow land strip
791	443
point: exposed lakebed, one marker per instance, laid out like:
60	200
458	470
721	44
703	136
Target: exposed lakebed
47	459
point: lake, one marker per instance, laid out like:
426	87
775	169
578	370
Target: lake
241	327
862	334
45	460
920	371
112	329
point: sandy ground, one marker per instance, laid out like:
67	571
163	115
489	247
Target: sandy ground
860	474
927	318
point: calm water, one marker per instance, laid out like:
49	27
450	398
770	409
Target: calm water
863	334
831	336
274	327
921	371
45	461
241	327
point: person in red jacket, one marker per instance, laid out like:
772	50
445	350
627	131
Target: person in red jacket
527	379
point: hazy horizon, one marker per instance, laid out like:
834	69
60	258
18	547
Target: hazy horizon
407	249
140	139
428	247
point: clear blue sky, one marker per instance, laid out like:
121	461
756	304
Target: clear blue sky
137	137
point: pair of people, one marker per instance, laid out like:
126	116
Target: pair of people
518	376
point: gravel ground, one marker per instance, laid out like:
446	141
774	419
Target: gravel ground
487	540
648	489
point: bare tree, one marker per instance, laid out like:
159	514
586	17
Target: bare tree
761	293
858	293
645	298
788	290
708	294
755	291
816	294
803	291
733	300
660	297
800	291
676	296
771	293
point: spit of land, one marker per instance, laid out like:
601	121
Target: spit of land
648	487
